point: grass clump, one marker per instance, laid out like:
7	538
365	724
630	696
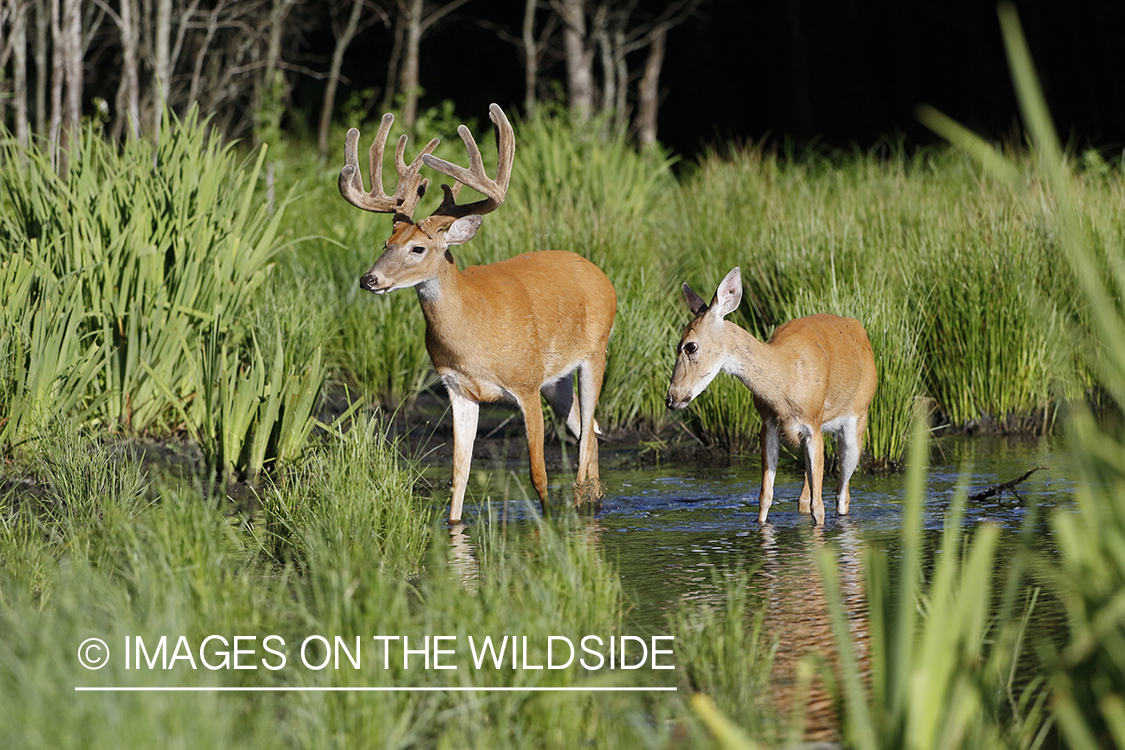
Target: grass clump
320	557
350	505
129	277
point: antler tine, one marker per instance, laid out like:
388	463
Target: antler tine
351	184
410	187
474	175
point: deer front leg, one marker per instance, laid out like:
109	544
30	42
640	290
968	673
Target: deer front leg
532	410
465	412
804	502
768	442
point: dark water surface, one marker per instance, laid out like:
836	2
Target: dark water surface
668	528
675	531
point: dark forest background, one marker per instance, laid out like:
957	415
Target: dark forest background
688	73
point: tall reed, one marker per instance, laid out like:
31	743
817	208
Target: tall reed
940	682
128	281
343	547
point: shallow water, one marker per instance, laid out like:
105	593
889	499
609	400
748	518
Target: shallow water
668	527
674	532
671	527
688	520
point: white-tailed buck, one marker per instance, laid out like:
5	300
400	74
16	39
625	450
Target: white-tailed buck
816	374
507	330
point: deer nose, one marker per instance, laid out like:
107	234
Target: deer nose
369	281
669	401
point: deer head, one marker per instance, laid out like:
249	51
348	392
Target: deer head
702	353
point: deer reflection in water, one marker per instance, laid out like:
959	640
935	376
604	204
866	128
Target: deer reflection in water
796	606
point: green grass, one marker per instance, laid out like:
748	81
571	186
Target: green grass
946	680
128	282
912	244
136	296
341	545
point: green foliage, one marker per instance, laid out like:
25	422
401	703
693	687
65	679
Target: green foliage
995	349
938	660
350	505
328	554
128	282
567	172
727	655
48	367
1088	684
934	683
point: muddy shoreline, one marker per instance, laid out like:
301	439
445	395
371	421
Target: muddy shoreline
424	434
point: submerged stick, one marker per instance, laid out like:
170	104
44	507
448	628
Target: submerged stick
999	489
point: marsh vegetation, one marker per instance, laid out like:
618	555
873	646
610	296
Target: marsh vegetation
151	291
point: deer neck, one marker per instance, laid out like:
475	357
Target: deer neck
438	291
444	303
756	364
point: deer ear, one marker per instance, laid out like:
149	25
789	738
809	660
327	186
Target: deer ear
695	303
729	294
462	230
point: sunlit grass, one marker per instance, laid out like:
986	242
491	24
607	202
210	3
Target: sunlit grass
341	546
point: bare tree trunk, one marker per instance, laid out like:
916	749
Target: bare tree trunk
212	28
270	90
129	91
7	9
648	93
621	65
334	77
163	69
411	24
42	30
579	59
19	70
409	83
609	70
531	57
58	78
72	33
276	33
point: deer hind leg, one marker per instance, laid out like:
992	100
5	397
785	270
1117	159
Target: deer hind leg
465	412
590	374
560	395
813	441
804	502
851	446
768	442
532	410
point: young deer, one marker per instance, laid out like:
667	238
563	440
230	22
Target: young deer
507	330
816	374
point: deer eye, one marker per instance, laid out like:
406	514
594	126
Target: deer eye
690	348
418	249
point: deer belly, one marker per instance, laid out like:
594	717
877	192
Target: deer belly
839	425
477	389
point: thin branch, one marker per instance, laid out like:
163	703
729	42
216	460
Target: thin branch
1000	489
441	13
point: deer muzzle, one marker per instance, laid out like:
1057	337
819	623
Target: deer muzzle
370	282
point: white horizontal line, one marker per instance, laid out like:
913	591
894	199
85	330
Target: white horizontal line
112	689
